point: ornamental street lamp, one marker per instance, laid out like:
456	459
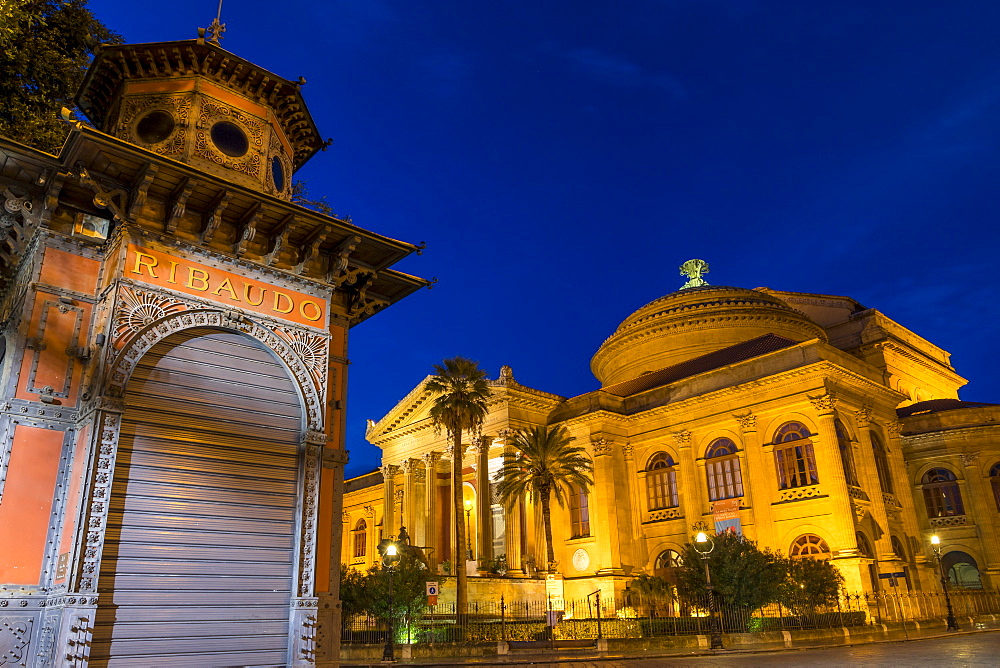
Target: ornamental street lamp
468	531
704	545
389	560
936	546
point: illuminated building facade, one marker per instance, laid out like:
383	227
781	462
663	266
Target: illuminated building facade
174	372
814	425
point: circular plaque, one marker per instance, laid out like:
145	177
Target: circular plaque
581	560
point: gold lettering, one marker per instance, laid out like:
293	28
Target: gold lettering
227	285
302	310
173	272
246	295
277	300
202	278
148	265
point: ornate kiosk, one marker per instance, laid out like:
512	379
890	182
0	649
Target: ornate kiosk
174	373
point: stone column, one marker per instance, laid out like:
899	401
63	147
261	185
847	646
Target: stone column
759	482
689	492
431	515
484	500
389	500
457	551
409	514
605	508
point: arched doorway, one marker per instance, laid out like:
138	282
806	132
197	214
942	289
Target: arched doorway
962	569
199	555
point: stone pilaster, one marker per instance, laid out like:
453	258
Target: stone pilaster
760	496
833	482
689	491
605	507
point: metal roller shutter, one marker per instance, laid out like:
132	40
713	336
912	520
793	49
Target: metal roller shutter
198	559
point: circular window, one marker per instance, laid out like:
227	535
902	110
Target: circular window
154	127
230	139
278	173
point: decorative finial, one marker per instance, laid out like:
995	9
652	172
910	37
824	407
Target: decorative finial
693	269
215	30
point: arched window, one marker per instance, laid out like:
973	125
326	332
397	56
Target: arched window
360	539
941	494
669	559
723	470
881	463
995	480
846	453
809	546
579	512
667	565
793	456
898	549
661	482
864	546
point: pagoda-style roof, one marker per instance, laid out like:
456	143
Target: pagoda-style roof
116	64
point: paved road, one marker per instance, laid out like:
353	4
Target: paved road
978	649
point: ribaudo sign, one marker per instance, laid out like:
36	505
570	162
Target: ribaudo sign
227	288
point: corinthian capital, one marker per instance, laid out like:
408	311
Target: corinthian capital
601	446
748	421
824	403
682	437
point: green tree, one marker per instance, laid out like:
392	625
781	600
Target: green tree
354	596
655	593
809	584
543	464
409	588
460	394
45	47
744	576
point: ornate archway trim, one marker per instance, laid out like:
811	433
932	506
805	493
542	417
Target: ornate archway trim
305	356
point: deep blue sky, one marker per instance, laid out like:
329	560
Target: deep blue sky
562	158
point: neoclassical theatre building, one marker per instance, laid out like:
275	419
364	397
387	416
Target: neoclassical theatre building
814	425
174	372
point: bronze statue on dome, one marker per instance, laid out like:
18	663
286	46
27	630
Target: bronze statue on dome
694	269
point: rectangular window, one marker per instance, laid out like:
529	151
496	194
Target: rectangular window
943	500
796	466
579	511
360	544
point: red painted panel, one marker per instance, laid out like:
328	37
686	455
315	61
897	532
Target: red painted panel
77	471
27	503
69	271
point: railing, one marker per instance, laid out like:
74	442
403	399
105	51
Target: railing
630	617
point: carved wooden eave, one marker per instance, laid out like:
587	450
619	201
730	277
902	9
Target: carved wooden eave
115	64
30	184
103	175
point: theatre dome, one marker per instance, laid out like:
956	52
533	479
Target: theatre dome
693	322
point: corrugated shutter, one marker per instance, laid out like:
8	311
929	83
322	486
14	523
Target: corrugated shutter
198	560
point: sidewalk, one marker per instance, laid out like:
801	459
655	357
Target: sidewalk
855	636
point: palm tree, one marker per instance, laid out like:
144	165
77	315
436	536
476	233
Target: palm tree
543	464
460	406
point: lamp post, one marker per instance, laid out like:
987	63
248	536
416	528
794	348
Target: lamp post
389	560
936	546
468	530
704	545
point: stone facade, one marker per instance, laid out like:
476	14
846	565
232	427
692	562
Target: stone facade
808	417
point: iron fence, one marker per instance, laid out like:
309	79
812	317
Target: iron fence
629	617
